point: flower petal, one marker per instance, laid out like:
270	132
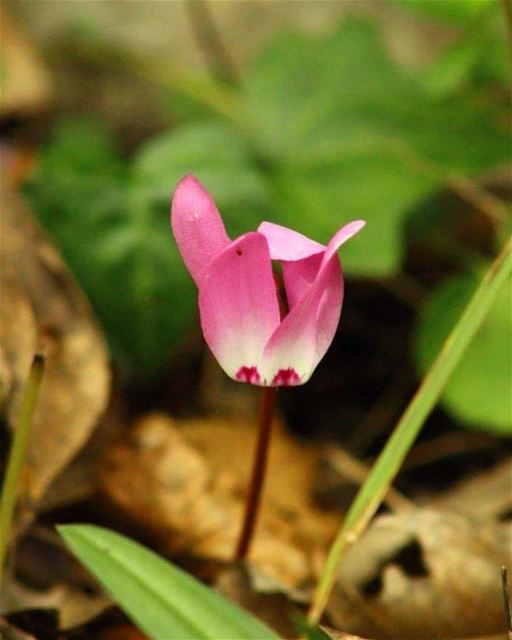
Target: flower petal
303	337
239	307
287	244
298	275
341	236
197	226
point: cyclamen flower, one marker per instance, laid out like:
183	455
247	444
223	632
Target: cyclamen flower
238	297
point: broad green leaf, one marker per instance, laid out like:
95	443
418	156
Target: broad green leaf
119	246
220	158
164	601
479	392
112	224
477	62
346	132
331	196
453	68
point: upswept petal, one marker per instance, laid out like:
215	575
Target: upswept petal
303	337
341	236
197	226
287	244
238	306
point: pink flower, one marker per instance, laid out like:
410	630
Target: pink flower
238	299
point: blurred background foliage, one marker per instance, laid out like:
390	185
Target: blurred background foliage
313	128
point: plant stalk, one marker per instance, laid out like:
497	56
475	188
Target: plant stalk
506	602
210	41
383	472
17	456
258	472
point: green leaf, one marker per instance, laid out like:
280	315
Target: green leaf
478	393
165	602
346	133
333	195
217	155
453	68
119	247
112	224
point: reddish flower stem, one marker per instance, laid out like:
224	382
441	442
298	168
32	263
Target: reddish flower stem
258	472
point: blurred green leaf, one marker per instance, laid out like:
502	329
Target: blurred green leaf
118	248
79	193
453	11
478	62
345	133
479	391
162	600
220	158
326	129
112	224
453	68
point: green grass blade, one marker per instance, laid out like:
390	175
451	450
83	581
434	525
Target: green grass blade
17	456
165	602
399	444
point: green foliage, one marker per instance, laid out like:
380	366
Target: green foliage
119	249
162	600
346	133
112	223
323	130
479	57
215	154
478	393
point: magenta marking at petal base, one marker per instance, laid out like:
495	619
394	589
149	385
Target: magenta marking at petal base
286	378
248	374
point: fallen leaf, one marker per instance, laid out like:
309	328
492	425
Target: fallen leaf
292	467
423	574
45	308
486	496
25	81
185	486
75	606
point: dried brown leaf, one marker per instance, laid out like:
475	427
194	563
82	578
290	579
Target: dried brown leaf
74	605
25	81
423	574
185	486
43	307
486	495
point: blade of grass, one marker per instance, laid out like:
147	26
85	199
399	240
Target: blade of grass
17	455
378	482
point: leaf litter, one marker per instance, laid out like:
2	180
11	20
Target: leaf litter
47	311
